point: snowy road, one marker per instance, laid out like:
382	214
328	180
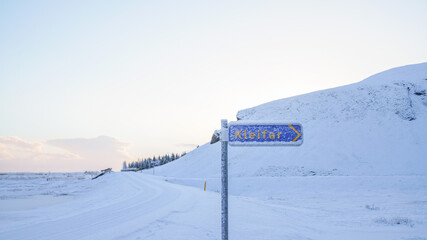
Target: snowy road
131	206
140	206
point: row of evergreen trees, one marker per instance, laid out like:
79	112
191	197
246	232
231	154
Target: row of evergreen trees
145	163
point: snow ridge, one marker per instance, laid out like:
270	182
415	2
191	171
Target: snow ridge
400	91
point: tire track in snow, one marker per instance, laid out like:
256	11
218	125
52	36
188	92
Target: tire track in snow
150	199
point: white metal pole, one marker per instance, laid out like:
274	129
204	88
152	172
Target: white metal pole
224	181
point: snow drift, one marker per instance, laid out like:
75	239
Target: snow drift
375	127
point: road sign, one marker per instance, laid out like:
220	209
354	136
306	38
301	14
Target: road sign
243	133
264	134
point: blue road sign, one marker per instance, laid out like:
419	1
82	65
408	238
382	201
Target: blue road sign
243	133
264	134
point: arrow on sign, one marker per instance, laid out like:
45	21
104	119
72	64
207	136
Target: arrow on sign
298	134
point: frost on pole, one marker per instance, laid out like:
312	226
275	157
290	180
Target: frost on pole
224	180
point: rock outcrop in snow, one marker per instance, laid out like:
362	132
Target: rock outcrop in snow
400	91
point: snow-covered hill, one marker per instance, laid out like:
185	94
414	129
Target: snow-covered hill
375	127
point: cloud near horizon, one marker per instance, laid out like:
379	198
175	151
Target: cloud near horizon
58	155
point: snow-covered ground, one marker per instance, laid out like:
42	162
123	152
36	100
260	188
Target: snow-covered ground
22	191
361	173
140	206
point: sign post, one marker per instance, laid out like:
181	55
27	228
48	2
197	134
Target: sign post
224	180
245	133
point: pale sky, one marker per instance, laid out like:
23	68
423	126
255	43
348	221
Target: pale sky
85	85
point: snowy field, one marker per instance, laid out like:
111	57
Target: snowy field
23	191
142	206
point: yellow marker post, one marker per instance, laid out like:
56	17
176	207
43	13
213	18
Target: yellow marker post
205	186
